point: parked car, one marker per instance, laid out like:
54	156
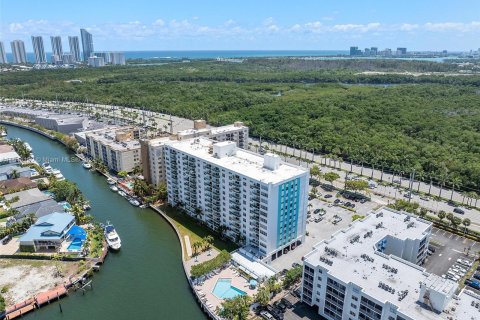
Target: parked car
328	196
431	248
318	219
316	211
294	265
424	198
6	239
281	306
459	211
337	201
287	303
265	315
363	200
477	276
452	203
275	312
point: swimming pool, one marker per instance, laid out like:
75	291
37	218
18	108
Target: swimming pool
78	236
224	290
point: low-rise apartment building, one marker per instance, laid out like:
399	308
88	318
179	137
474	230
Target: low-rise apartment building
117	148
257	201
153	154
237	132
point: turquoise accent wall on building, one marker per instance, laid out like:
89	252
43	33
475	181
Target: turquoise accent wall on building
288	208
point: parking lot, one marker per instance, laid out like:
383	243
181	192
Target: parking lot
330	219
449	248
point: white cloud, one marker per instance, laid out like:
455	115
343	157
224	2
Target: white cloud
229	29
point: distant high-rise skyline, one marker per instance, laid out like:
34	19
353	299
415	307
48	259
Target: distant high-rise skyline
3	54
57	46
87	43
74	48
38	49
18	51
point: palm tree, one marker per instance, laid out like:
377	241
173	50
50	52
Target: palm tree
198	213
310	206
441	215
195	246
207	241
466	222
456	182
423	212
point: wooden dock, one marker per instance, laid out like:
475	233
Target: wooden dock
40	299
46	297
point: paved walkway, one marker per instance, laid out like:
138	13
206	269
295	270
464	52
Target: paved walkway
188	246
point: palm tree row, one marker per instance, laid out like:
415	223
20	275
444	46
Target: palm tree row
204	244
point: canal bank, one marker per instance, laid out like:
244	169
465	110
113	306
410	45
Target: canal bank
145	280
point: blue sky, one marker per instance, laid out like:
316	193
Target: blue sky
248	24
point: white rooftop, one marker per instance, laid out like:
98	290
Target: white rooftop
227	128
350	264
252	265
242	162
107	137
8	156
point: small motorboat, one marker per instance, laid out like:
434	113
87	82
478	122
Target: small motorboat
122	193
28	147
87	206
134	202
112	237
87	165
110	181
113	188
3	133
58	174
47	167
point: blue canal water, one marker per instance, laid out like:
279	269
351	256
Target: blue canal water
145	280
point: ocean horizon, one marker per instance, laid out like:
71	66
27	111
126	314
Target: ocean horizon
213	54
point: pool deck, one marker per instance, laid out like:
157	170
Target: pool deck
229	273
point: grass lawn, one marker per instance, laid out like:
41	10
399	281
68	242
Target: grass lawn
190	226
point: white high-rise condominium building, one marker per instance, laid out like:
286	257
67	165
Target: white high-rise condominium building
257	201
74	48
18	51
3	54
57	49
370	271
39	50
87	44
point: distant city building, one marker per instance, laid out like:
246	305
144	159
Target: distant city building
67	58
354	51
75	48
387	52
401	51
57	46
18	51
117	58
39	50
87	44
56	59
3	54
95	61
366	51
105	55
373	51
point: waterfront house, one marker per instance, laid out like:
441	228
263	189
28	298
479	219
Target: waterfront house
48	233
12	171
15	185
